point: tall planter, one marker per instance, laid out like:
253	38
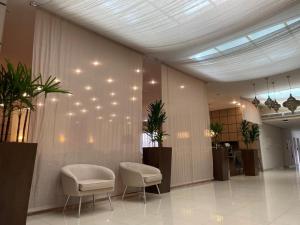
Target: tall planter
161	158
221	164
16	172
250	162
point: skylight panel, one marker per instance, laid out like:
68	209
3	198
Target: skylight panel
203	54
293	21
266	31
232	44
197	5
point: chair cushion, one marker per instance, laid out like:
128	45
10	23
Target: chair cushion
95	184
150	178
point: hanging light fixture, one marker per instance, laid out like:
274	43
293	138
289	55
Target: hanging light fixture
291	103
276	106
269	101
255	101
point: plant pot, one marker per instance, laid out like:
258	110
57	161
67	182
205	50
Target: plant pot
221	164
250	162
16	171
161	158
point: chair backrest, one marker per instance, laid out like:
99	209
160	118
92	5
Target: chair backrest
132	166
83	171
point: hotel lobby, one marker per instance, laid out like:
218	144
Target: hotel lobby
139	112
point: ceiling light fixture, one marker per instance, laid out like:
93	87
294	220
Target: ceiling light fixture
77	103
98	107
133	99
112	94
114	103
255	101
53	100
269	101
135	88
152	82
96	63
276	106
94	99
291	103
138	70
182	86
83	110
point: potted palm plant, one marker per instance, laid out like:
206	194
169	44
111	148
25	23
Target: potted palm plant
220	154
250	134
158	156
19	89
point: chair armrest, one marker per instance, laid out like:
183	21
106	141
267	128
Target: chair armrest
70	184
131	177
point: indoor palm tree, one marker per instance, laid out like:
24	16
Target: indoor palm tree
18	90
156	118
249	132
216	129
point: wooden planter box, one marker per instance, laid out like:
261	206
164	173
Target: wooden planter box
161	158
221	164
250	162
16	171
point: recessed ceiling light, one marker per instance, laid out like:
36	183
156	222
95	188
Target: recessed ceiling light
110	121
238	104
98	107
77	103
94	99
83	110
234	102
70	114
114	103
40	104
243	106
53	100
135	88
138	70
88	88
99	117
152	82
112	94
110	80
133	99
96	63
113	115
70	94
182	86
78	71
127	117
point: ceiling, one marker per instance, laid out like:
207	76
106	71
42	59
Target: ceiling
290	123
221	95
235	39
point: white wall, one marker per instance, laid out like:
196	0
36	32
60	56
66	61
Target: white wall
187	125
60	48
291	139
272	147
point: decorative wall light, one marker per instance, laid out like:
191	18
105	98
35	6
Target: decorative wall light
255	101
276	106
291	103
269	101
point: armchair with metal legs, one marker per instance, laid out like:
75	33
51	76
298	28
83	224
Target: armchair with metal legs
139	175
81	180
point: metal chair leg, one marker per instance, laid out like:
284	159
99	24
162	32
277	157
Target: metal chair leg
109	198
79	207
66	202
124	192
94	200
158	189
145	195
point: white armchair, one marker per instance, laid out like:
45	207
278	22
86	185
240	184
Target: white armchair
139	175
80	180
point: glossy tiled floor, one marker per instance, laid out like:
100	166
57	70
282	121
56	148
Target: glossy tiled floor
272	198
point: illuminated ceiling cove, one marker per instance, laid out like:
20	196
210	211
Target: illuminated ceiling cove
223	40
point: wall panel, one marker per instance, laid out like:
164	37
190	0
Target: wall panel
187	126
92	125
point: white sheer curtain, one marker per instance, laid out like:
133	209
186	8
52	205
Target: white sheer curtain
100	122
187	124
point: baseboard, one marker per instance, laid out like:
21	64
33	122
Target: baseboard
202	181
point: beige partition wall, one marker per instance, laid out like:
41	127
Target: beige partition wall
100	123
187	124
